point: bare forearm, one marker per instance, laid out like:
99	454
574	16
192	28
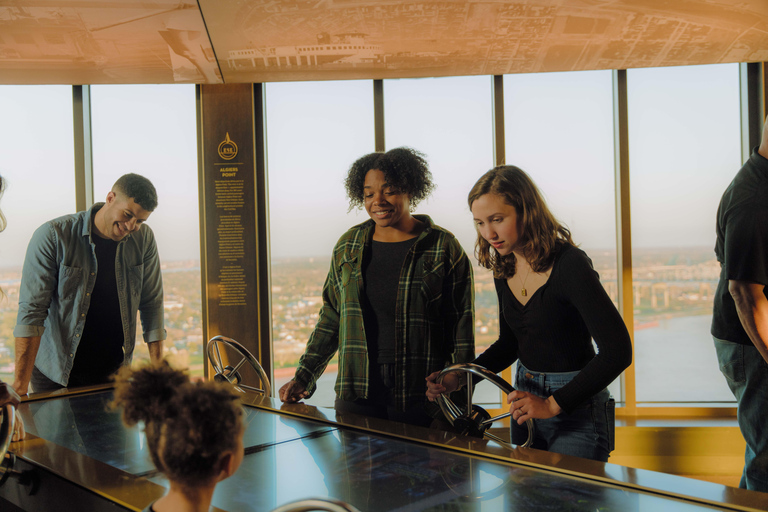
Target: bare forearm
752	307
155	351
26	352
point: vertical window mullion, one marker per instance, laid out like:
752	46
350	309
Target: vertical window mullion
81	110
623	226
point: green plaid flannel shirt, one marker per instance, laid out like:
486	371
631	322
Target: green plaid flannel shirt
435	315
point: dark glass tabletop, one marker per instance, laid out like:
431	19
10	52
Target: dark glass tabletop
291	457
85	424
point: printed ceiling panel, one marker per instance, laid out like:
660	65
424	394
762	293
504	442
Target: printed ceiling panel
277	40
165	41
104	41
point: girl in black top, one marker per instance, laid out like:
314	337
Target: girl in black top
551	307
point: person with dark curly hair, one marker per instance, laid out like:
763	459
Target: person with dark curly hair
194	431
551	307
397	302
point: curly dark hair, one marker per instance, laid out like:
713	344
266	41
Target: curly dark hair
405	170
189	426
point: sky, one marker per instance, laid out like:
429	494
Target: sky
684	150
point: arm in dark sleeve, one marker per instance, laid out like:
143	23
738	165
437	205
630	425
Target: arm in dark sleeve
604	323
503	352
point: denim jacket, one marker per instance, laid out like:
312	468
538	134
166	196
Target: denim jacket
57	280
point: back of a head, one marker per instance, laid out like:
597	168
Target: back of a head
138	188
189	426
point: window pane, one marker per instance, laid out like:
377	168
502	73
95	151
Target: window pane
449	120
151	130
316	130
559	129
684	150
37	163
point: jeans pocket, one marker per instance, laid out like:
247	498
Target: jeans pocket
732	365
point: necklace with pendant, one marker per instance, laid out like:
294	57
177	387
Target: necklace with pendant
523	291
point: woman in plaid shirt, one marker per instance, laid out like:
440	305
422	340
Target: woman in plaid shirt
398	299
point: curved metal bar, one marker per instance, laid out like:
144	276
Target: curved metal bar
218	358
249	388
213	347
496	438
450	409
310	504
453	407
490	421
239	365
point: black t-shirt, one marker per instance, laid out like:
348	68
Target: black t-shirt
742	243
100	352
381	270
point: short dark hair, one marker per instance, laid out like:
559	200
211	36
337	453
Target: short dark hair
138	188
405	169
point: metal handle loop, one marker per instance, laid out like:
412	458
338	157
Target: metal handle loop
230	373
476	415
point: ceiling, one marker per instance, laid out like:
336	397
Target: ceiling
229	41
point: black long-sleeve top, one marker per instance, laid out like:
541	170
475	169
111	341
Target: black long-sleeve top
553	332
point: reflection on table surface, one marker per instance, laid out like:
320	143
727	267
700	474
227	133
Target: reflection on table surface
304	453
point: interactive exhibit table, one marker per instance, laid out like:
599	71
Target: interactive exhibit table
78	456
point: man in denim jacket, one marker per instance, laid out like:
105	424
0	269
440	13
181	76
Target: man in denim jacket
85	276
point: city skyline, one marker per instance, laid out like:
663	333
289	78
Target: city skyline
337	127
559	128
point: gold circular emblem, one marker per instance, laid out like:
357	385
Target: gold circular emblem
227	149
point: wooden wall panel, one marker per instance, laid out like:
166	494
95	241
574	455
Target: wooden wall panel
230	265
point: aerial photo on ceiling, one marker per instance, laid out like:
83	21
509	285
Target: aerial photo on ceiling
214	41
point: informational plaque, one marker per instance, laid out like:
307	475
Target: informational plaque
228	191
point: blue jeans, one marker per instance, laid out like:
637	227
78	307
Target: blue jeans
747	376
587	432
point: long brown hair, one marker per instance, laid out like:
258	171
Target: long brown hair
540	233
